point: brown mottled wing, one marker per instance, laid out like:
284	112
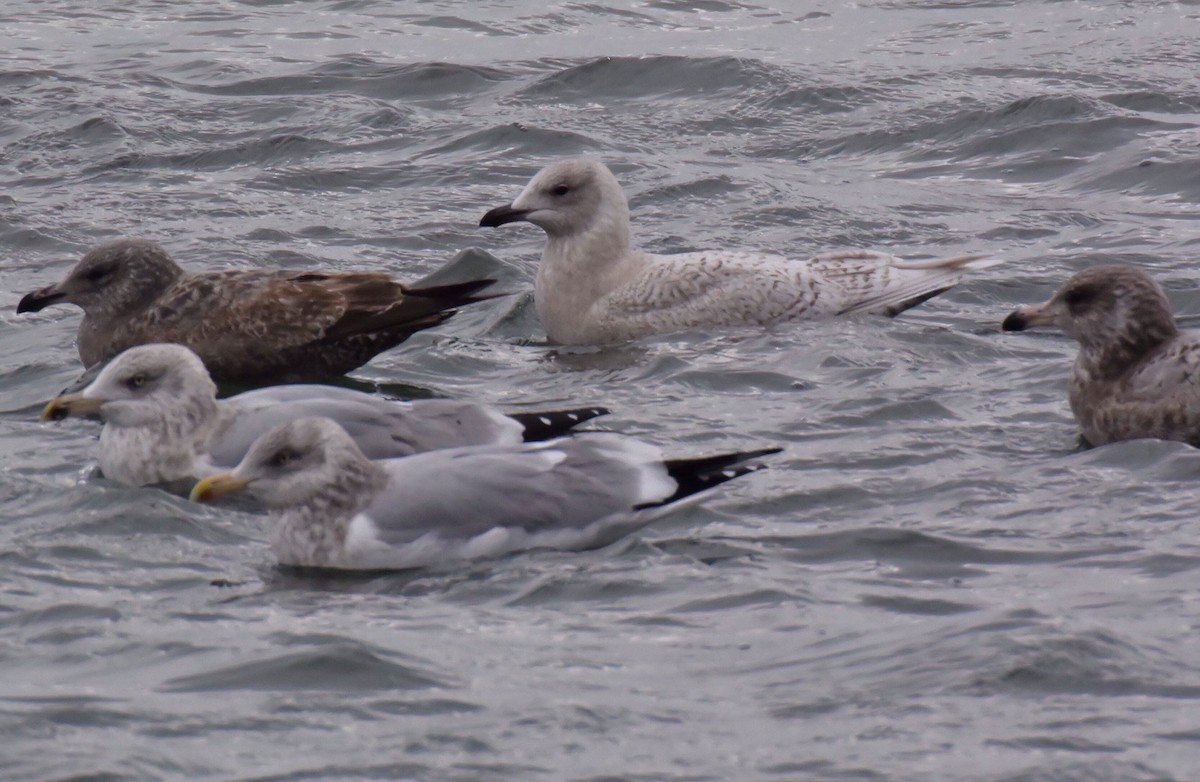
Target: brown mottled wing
253	326
375	303
1175	372
1161	398
242	310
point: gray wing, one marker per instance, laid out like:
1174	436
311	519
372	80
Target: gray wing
382	428
557	489
450	423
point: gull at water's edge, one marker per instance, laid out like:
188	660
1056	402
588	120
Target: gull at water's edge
334	508
594	287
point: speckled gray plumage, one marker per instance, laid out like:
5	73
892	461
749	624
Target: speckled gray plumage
593	286
1137	375
248	325
334	508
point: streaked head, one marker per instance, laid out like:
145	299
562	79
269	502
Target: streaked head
111	279
1100	304
566	198
144	386
294	464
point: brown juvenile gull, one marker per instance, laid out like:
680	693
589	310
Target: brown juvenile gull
594	287
1137	375
163	421
248	325
334	508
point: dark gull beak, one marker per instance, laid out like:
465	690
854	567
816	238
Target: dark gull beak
503	214
1027	317
1014	322
42	297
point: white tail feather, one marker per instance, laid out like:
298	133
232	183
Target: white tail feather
962	262
923	279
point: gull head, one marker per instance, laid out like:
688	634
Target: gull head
1104	308
111	279
303	462
566	198
147	385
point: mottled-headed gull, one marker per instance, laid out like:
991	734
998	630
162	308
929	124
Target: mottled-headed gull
1136	375
593	286
163	422
247	325
334	508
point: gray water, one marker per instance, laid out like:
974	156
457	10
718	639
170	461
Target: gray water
933	581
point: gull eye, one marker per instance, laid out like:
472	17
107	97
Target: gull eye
283	457
1078	298
137	381
97	273
561	189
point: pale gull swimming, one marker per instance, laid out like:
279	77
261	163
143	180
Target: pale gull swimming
247	325
1136	375
163	422
594	287
334	508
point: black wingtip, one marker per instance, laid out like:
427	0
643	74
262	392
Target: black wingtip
695	475
419	308
717	462
456	292
895	309
747	455
546	425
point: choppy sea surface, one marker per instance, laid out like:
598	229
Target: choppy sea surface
933	582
